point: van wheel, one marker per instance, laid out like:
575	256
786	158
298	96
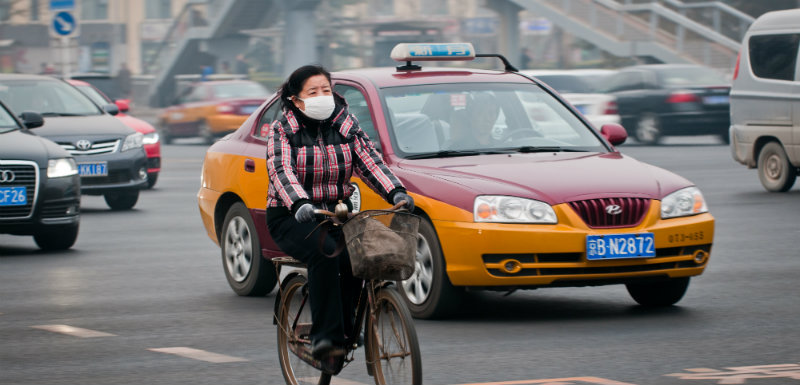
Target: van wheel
774	169
648	129
428	292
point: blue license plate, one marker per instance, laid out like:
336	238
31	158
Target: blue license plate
248	109
618	246
13	196
93	169
713	100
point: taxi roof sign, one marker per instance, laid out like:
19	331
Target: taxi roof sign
434	51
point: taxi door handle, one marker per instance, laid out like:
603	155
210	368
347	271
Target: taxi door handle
249	165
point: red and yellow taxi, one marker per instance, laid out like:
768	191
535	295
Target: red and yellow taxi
546	201
151	143
211	109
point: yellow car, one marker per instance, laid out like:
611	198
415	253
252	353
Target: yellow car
545	203
210	109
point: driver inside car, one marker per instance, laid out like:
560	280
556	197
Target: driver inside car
471	128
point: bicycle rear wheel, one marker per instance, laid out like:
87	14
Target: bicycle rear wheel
392	346
294	324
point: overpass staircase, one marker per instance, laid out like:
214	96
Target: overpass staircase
670	31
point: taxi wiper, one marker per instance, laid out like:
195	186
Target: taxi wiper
60	114
443	154
528	149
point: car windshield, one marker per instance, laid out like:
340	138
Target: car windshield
47	97
92	93
240	90
7	122
680	77
478	118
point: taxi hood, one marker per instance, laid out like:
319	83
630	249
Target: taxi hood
549	177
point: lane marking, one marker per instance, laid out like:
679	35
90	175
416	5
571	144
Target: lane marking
558	381
73	331
197	354
740	374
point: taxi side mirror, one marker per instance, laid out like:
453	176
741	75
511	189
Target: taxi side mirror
614	133
123	104
31	119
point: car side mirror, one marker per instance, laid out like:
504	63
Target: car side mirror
111	108
32	119
124	105
614	133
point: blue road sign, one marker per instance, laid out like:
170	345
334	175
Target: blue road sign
64	24
62	4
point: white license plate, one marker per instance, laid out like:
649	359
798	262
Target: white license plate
93	169
13	196
618	246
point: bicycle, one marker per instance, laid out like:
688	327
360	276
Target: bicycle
390	340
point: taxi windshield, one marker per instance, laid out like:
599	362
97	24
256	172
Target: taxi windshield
7	122
47	97
476	118
93	94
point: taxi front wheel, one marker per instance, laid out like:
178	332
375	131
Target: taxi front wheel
428	292
248	273
662	293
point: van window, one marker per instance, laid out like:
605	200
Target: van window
774	56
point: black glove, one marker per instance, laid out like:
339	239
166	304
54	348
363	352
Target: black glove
401	196
305	214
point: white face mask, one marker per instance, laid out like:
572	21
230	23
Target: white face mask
319	107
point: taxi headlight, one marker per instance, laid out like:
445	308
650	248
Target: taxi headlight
684	202
505	209
57	168
150	138
132	141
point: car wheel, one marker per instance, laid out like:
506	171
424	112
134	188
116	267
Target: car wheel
648	129
205	132
248	273
151	179
774	169
163	133
663	293
56	237
428	292
123	200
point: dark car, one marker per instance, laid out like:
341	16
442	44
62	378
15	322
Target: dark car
39	184
110	155
671	99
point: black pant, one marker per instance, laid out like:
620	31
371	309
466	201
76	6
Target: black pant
332	287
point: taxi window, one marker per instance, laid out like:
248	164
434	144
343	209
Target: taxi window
482	118
272	113
357	105
197	94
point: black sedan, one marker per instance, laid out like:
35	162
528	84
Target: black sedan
110	155
39	184
671	99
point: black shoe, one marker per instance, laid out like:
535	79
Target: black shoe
324	349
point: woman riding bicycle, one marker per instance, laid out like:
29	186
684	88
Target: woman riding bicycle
312	152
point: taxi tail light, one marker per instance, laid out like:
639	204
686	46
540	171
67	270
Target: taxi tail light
611	108
226	108
682	97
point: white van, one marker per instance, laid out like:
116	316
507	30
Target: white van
765	100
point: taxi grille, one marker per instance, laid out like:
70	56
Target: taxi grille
96	148
25	175
611	212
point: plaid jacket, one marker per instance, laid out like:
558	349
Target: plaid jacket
303	167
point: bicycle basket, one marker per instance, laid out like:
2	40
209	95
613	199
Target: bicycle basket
382	244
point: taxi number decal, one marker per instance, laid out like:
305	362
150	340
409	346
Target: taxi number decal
683	237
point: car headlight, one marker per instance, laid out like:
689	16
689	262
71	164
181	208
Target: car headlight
505	209
684	202
132	141
57	168
150	138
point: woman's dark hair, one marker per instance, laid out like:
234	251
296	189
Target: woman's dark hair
294	84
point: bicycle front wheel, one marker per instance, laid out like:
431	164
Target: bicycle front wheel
392	346
294	326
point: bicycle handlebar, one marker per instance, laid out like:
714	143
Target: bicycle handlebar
333	215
